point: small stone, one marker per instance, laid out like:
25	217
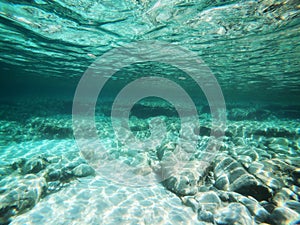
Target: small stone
166	148
181	179
279	141
231	176
283	215
234	213
294	205
208	201
18	163
260	213
222	182
83	170
264	170
280	149
205	216
295	189
182	185
20	194
53	175
190	202
75	162
284	195
269	206
34	165
223	195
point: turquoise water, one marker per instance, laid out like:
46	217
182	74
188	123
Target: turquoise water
149	112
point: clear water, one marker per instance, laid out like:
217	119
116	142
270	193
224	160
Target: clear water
61	107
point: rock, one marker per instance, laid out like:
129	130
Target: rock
34	165
75	162
5	171
246	156
222	182
190	201
233	214
283	215
182	184
183	177
53	175
284	195
259	212
165	149
20	194
179	174
223	195
205	216
296	176
295	189
231	176
203	201
83	170
269	206
279	141
294	205
265	171
208	201
280	149
19	163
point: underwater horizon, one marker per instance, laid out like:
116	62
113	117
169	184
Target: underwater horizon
150	112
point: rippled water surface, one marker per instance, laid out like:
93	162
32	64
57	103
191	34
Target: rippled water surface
251	46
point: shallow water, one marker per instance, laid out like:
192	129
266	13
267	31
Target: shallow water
149	112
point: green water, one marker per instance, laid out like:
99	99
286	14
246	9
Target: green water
149	112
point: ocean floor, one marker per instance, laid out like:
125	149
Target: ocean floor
253	178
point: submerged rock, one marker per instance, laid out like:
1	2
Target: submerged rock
294	205
35	165
53	175
206	216
19	163
231	176
259	212
272	172
284	215
296	176
182	184
5	171
203	201
233	214
83	170
208	201
165	149
23	191
20	194
284	195
182	178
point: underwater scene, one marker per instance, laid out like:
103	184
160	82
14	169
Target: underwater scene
150	112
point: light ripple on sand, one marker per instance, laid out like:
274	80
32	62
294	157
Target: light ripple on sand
98	201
